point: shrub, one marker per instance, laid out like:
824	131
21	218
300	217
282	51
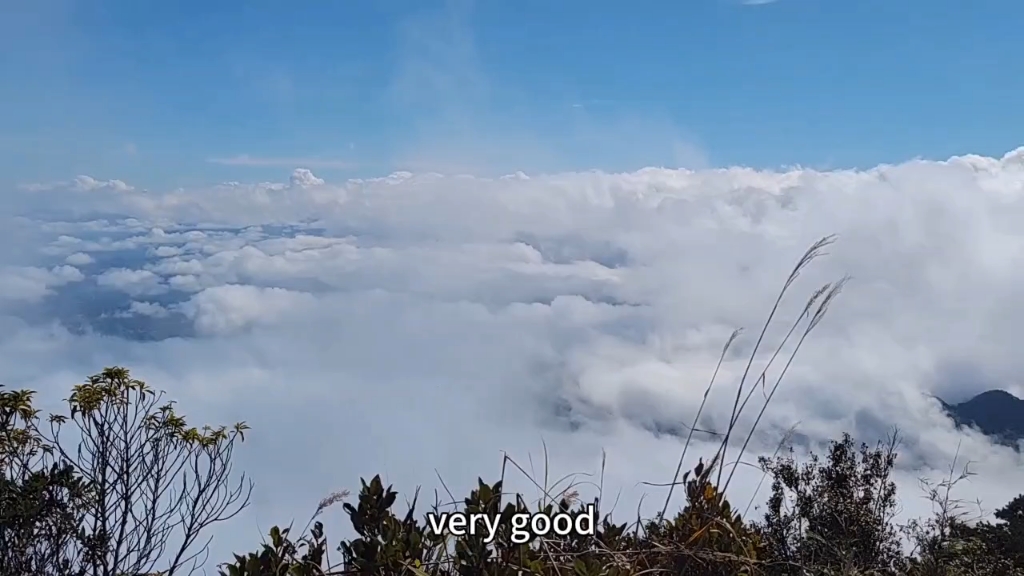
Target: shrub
134	487
836	514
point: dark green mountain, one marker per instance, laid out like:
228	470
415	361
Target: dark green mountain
995	413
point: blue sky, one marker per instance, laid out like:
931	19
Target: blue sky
178	93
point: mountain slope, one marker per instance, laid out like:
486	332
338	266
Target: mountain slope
996	413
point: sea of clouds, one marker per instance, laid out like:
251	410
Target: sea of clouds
421	325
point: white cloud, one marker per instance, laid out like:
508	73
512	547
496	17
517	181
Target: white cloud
32	283
79	259
148	309
414	322
303	178
133	282
230	308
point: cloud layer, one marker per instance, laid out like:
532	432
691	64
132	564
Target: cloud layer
419	322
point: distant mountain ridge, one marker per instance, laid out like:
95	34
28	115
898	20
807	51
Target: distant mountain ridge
996	413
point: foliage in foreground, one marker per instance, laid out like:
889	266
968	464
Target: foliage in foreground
831	516
134	489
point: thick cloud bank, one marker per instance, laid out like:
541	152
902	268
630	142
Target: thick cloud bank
420	322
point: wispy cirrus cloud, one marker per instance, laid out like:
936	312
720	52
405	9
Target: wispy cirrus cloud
288	162
757	2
